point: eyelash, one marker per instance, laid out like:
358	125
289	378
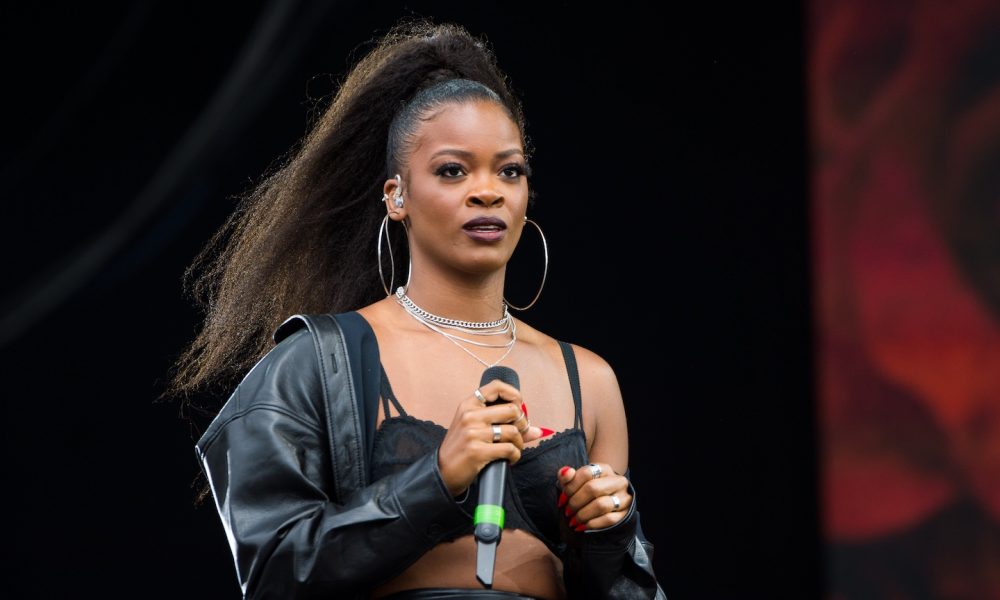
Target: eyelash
448	167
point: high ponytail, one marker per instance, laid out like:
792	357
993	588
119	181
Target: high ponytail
303	241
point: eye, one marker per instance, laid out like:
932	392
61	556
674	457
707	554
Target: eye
447	170
513	170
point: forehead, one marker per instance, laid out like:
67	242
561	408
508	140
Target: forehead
477	125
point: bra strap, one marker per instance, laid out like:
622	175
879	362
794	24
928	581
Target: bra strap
387	394
574	382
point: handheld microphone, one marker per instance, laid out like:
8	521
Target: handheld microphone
489	516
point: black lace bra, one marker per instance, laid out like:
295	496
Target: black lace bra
532	489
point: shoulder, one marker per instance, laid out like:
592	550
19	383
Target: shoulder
598	382
286	380
602	397
597	372
292	358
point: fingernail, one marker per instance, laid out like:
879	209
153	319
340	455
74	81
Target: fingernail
574	523
562	499
563	470
524	409
569	510
546	431
581	527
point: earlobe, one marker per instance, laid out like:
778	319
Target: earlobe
398	215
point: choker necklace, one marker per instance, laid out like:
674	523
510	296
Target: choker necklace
505	325
411	307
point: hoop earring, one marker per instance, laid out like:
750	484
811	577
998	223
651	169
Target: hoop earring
384	227
545	248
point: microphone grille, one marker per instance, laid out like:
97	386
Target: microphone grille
504	374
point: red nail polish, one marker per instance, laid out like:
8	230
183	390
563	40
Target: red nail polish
581	527
546	431
573	522
524	409
569	510
563	470
562	499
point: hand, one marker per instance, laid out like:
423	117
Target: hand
468	446
588	501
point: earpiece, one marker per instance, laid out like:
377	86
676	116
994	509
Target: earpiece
398	195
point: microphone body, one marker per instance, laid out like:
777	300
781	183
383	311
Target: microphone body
489	515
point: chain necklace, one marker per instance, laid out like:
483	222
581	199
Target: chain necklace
502	326
410	306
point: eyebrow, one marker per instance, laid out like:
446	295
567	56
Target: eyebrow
468	155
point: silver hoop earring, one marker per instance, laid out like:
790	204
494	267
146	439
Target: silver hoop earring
384	227
545	248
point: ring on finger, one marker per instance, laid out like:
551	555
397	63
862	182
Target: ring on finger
479	396
595	471
617	502
527	424
496	433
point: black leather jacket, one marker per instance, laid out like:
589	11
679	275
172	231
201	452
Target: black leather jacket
286	458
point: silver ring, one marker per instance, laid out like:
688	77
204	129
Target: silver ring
527	425
496	433
618	503
479	396
595	471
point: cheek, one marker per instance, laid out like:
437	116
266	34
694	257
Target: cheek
437	218
433	225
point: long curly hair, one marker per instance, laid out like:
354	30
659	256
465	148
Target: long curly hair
303	240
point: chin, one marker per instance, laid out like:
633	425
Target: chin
484	265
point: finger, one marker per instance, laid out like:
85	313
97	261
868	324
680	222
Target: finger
479	416
480	398
498	390
605	520
522	423
500	451
471	403
508	434
593	490
501	413
565	475
533	433
602	505
585	474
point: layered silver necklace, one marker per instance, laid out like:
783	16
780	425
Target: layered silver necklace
503	326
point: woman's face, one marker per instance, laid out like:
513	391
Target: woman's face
464	189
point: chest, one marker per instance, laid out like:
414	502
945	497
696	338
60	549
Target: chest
430	378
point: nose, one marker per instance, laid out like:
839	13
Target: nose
485	199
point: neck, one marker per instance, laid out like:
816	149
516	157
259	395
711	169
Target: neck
470	298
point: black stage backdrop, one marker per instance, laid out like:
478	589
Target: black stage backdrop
671	178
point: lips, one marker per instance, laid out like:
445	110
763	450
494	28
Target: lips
486	229
485	224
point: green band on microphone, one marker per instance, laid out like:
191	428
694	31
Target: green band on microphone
489	513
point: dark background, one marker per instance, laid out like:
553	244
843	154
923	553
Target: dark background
671	177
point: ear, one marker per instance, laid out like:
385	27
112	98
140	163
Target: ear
389	192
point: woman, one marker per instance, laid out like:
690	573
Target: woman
322	490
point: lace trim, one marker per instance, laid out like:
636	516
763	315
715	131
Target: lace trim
528	452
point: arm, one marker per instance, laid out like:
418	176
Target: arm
608	559
267	459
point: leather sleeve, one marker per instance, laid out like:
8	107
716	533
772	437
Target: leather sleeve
612	563
266	457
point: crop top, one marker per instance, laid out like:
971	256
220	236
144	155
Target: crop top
532	489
